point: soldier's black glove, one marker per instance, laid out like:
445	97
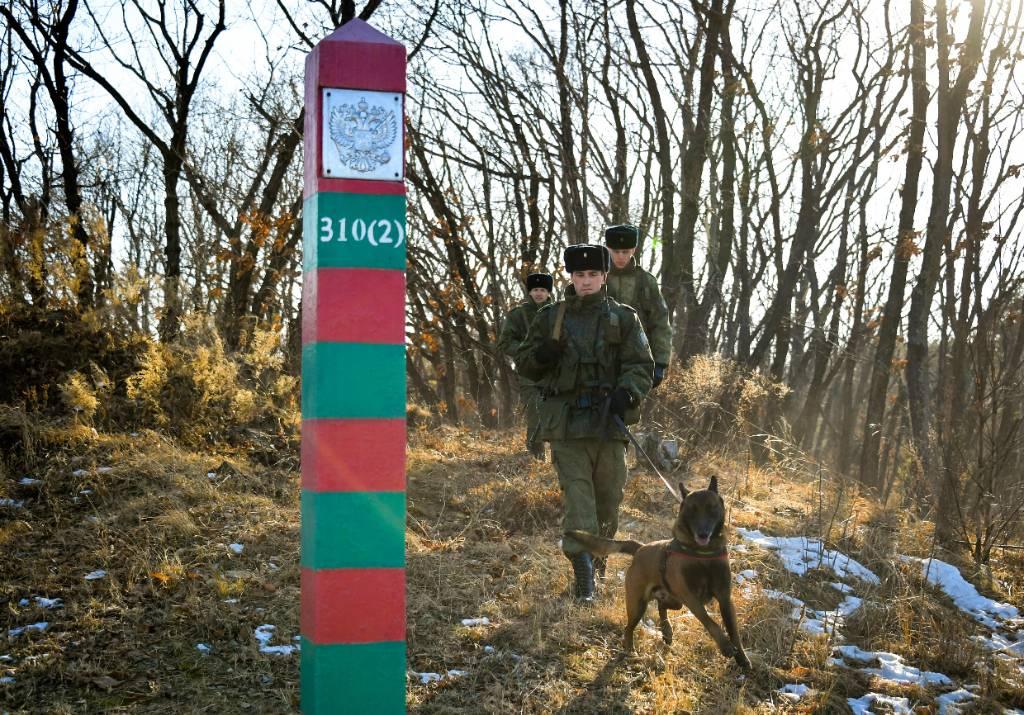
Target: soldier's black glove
549	351
619	401
659	374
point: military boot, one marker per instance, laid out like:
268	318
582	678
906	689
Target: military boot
583	569
536	450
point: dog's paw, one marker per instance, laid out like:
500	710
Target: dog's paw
742	660
728	649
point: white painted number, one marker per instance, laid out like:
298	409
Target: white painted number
377	232
386	235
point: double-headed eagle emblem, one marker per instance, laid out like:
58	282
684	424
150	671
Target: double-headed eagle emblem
363	134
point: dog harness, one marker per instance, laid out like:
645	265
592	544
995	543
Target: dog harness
678	548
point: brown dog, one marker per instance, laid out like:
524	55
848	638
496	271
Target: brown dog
688	570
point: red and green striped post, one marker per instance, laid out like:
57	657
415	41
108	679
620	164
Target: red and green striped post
353	376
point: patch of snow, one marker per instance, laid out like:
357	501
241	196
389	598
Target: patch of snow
49	602
6	659
79	472
779	595
230	600
211	475
892	667
427	678
104	470
842	587
489	649
85	492
29	481
862	705
485	621
237	548
39	627
93	575
203	648
948	703
12	503
6	680
947	577
272	566
264	633
815	621
800	554
23	602
793	691
999	642
747	575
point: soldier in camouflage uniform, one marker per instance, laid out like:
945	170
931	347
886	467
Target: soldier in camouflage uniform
631	285
513	332
590	357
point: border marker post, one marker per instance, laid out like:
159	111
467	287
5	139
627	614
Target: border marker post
353	376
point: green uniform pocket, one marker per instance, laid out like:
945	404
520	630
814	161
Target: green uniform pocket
553	419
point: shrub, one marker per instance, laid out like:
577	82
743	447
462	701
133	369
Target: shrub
712	401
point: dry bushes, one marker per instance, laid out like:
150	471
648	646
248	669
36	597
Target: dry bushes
42	350
60	365
712	402
193	388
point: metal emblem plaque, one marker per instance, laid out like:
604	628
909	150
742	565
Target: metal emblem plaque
362	135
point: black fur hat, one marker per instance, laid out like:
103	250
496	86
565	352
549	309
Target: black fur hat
621	236
540	280
587	257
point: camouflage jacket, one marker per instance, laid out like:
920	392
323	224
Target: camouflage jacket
515	327
605	348
635	287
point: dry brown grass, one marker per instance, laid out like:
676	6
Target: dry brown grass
159	527
482	540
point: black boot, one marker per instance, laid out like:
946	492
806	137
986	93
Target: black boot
583	569
536	450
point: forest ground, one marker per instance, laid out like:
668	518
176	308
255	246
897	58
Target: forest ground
199	550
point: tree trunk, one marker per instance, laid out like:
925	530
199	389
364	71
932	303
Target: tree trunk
905	250
950	101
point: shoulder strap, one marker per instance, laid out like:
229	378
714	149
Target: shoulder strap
556	333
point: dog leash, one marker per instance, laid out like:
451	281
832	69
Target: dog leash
622	426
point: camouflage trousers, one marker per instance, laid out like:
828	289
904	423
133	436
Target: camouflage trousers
592	475
529	396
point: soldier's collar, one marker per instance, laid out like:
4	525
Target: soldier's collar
586	301
629	268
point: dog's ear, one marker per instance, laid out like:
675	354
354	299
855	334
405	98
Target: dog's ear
682	491
713	486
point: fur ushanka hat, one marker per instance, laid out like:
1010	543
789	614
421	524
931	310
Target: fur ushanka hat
587	257
540	280
621	236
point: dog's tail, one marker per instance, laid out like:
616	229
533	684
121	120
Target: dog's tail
600	546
